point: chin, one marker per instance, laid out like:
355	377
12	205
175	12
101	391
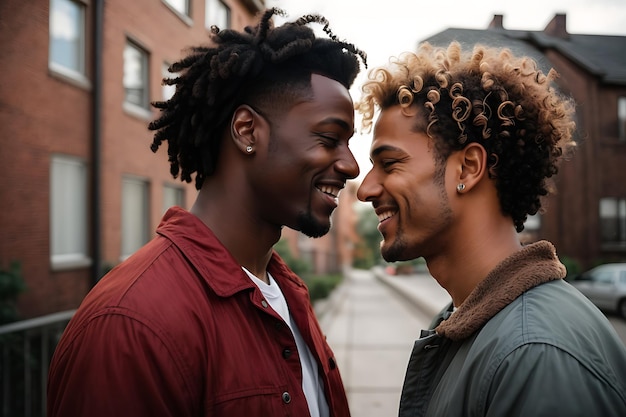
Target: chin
311	227
395	252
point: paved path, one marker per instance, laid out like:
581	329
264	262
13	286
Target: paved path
371	327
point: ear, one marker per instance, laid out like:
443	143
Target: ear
246	127
473	160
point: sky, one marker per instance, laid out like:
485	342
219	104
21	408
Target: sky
384	28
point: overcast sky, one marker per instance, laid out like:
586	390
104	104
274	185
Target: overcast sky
383	28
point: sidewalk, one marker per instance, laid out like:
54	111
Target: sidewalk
420	289
371	328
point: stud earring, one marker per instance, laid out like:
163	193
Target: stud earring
460	187
248	148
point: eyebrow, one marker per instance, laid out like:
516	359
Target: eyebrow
337	121
380	149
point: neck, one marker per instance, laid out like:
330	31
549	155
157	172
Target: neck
249	240
466	262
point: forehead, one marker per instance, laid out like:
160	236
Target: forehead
329	101
396	127
327	90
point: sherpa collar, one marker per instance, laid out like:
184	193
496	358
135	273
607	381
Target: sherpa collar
532	265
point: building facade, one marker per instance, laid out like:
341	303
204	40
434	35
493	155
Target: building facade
80	188
586	218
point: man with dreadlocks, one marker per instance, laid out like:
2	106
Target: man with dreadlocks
463	148
206	319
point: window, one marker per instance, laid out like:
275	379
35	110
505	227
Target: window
613	220
135	215
168	90
172	196
67	37
533	222
136	76
621	117
68	212
181	6
217	13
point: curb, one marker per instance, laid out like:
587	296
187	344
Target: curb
422	304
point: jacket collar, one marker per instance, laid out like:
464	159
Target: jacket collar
210	258
533	265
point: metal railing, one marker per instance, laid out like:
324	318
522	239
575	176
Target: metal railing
26	348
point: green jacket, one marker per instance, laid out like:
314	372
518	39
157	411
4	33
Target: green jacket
524	343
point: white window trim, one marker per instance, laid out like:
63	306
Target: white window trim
621	118
134	108
72	74
69	75
184	17
178	189
145	181
68	260
228	15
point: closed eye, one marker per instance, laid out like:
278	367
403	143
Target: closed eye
388	163
329	140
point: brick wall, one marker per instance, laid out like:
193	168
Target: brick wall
42	113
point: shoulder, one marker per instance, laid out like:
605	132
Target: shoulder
553	331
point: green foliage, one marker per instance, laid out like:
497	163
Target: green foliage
299	266
572	266
367	252
320	286
11	286
410	267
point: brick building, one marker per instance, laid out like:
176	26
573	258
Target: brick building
80	188
586	219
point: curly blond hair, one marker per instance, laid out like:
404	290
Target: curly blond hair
488	96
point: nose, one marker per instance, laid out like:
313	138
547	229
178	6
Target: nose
369	188
347	164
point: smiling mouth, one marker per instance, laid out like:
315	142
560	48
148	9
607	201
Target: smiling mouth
329	190
385	215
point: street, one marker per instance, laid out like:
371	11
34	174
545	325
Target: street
371	325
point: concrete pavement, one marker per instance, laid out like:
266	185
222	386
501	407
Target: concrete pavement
371	321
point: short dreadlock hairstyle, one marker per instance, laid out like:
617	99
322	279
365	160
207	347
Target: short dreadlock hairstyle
264	66
488	96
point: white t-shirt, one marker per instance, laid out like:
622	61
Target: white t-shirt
311	384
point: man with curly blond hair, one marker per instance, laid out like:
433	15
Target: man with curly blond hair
464	146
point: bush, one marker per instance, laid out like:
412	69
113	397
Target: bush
320	286
11	286
572	266
299	266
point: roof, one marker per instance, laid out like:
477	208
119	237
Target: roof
602	56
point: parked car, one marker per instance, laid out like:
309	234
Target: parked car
605	286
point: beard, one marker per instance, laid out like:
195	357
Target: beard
396	251
311	227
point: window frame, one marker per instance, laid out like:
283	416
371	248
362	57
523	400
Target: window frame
127	248
612	218
210	6
178	200
184	15
187	7
142	108
621	119
76	75
68	259
167	91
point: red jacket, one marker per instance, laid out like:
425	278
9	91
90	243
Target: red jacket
180	330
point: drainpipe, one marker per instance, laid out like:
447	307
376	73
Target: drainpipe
96	140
